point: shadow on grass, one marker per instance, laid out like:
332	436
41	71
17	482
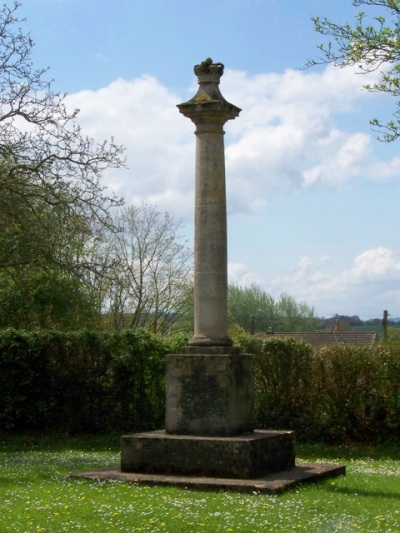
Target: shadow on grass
346	452
364	493
55	441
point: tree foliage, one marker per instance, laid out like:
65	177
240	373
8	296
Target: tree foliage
371	44
393	335
32	299
251	307
151	284
47	166
53	206
252	304
294	316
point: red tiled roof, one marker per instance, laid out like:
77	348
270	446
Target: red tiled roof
316	338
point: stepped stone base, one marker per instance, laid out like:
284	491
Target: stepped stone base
241	457
275	483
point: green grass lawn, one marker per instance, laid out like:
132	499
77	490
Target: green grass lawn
36	496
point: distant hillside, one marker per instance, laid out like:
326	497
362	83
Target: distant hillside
367	328
355	320
354	323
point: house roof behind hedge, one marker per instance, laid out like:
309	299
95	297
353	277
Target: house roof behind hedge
316	338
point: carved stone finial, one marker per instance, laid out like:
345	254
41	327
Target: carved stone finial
208	97
208	67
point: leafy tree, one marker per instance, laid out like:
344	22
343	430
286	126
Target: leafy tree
32	299
285	314
294	316
248	304
53	206
152	283
44	263
371	44
46	163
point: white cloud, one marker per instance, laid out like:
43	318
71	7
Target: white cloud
375	266
142	115
286	137
371	283
344	159
239	274
289	138
291	134
385	170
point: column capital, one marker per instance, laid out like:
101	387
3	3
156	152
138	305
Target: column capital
208	104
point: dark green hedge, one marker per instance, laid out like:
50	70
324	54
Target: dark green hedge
83	381
100	382
334	394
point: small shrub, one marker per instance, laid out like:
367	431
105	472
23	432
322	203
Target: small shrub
284	384
358	387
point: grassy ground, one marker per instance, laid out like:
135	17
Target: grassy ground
35	495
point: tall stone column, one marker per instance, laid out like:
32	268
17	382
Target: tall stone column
209	111
209	388
209	385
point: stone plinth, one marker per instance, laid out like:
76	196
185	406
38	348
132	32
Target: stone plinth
241	457
209	393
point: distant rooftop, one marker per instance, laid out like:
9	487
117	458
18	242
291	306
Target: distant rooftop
318	338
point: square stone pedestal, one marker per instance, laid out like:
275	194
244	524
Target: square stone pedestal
241	457
209	392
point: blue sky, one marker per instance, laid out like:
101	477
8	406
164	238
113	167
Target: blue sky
312	194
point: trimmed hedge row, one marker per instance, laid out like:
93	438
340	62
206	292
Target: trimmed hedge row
83	381
333	394
100	382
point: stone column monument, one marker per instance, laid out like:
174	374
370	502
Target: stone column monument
209	111
209	440
209	385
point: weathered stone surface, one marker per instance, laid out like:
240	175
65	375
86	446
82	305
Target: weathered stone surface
209	394
242	457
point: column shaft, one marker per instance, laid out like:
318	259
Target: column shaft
210	316
209	111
